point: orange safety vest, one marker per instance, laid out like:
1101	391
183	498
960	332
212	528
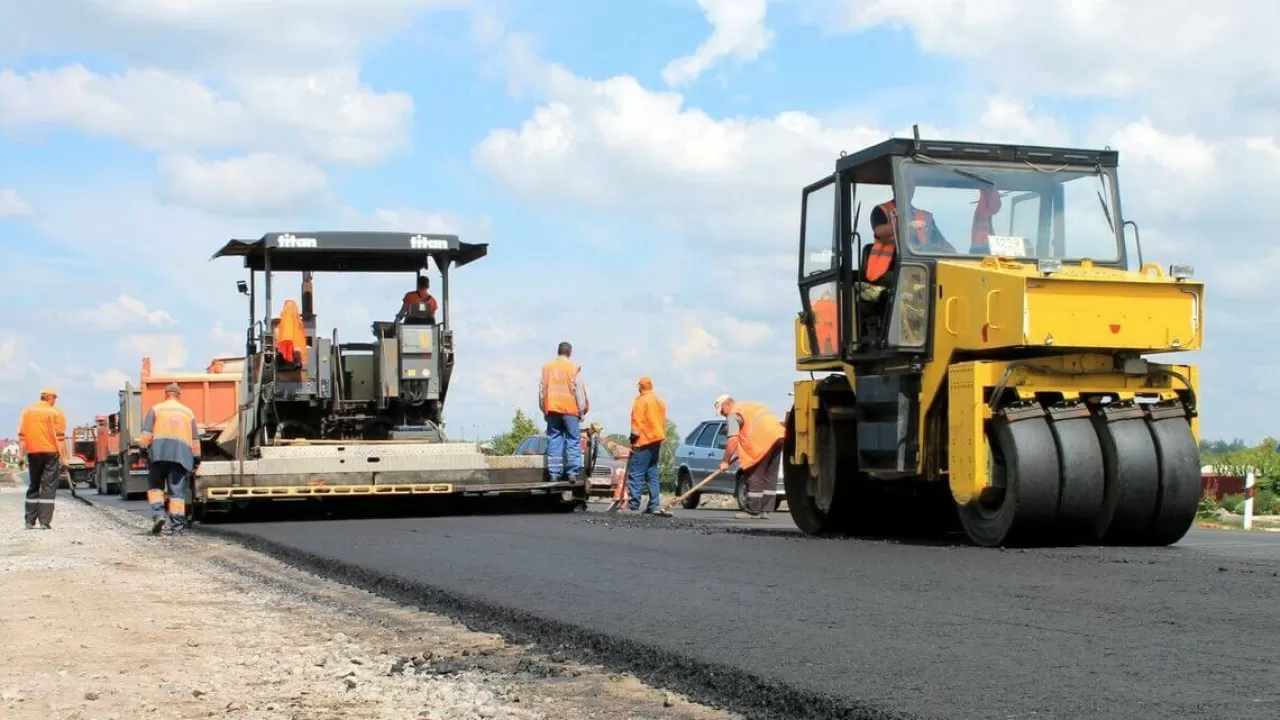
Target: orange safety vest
824	325
560	381
890	210
879	260
172	421
413	298
42	428
648	419
759	432
291	337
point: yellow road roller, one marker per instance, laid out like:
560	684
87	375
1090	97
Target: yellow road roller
973	347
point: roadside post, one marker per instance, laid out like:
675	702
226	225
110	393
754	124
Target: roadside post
1248	500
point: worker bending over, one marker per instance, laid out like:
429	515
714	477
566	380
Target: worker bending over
170	434
42	440
418	307
562	397
756	437
648	430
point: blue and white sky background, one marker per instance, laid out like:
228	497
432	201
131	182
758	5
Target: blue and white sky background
635	167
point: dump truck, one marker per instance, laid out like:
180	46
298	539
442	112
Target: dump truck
82	454
320	417
212	396
999	386
106	477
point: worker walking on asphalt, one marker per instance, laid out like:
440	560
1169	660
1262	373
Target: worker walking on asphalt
42	440
173	440
756	437
562	397
648	430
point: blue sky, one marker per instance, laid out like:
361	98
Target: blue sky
644	214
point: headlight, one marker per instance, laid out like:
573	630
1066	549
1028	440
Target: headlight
1046	266
1181	272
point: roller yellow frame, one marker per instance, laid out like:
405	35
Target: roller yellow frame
996	379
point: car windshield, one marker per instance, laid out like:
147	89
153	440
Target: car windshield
602	452
1011	210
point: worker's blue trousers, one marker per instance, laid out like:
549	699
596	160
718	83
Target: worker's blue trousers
168	485
564	449
644	472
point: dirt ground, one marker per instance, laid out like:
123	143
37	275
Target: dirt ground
102	621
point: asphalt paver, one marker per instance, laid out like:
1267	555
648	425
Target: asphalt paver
776	624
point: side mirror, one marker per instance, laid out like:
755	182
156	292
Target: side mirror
243	287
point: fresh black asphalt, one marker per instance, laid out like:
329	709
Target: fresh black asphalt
775	624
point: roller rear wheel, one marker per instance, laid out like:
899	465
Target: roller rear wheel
1021	506
1180	487
1081	471
1132	469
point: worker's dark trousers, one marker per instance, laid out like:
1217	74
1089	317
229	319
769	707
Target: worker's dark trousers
644	474
762	481
43	471
167	489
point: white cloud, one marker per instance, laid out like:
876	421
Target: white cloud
326	115
255	184
738	30
1217	67
167	351
234	37
125	312
11	205
110	380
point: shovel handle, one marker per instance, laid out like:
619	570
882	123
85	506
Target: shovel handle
693	489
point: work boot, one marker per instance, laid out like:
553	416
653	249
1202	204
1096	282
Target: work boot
748	516
157	526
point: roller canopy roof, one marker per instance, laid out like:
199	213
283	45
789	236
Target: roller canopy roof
357	252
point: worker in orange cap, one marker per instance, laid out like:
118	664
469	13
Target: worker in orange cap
755	436
42	439
172	439
648	430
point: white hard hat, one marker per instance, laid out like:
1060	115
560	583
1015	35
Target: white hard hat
724	398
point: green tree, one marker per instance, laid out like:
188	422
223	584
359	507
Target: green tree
667	459
619	438
1263	459
522	426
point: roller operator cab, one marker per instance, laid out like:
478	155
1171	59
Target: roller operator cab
984	365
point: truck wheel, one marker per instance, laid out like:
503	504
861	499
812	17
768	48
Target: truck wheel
682	486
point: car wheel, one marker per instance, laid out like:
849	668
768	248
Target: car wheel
682	486
740	492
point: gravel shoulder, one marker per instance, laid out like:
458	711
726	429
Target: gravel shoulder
101	620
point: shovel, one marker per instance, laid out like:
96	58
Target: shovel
666	511
626	477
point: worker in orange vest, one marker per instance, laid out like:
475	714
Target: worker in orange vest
562	397
42	440
648	430
418	307
925	235
755	436
172	439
